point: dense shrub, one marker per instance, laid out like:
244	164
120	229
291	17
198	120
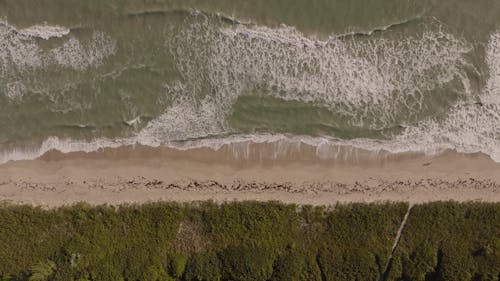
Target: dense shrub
449	241
296	266
178	264
203	267
250	241
246	264
370	230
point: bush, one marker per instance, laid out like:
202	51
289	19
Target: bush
450	241
156	273
289	266
203	267
178	264
250	241
296	265
247	264
42	271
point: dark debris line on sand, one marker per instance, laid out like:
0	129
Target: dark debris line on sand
372	186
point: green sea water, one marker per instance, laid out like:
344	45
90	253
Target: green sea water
395	75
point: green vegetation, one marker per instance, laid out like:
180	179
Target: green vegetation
449	242
250	241
42	271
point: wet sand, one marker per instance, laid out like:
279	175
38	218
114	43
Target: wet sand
142	174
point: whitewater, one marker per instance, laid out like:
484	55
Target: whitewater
411	87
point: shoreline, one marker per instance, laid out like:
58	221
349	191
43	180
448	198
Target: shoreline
259	147
143	174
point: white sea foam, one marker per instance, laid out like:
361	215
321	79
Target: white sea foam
379	75
80	56
15	90
240	146
20	53
356	74
183	120
45	31
371	81
62	145
493	61
17	50
467	128
375	82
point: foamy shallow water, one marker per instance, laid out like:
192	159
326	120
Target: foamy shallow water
45	31
193	78
241	147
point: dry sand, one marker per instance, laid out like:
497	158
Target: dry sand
138	175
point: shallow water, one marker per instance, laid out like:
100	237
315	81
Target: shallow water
378	75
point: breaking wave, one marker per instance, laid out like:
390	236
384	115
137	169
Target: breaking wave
45	31
374	81
20	53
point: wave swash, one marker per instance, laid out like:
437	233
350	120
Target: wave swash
420	79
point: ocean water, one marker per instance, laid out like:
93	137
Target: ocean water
379	75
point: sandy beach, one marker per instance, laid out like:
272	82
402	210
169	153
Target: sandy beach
142	174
